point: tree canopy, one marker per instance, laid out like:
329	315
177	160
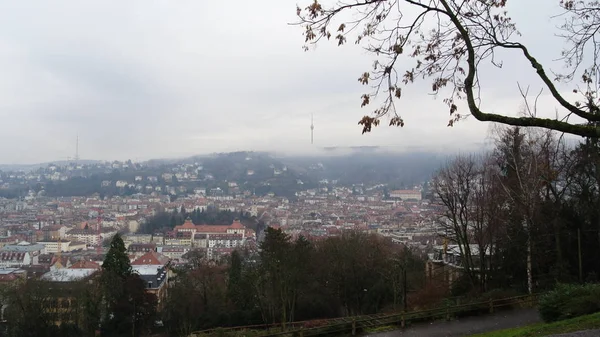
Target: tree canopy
448	42
296	279
116	260
532	204
127	307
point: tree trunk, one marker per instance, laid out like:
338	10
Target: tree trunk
579	255
529	271
404	288
283	311
559	258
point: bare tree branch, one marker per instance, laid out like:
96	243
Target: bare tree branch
448	41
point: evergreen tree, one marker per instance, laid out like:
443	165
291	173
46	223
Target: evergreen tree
116	260
127	307
275	256
183	212
301	255
235	277
115	268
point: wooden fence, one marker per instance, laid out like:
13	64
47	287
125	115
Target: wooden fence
357	324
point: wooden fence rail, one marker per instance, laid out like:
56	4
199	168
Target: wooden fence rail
359	323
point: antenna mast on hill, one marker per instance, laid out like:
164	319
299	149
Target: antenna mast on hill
77	149
312	129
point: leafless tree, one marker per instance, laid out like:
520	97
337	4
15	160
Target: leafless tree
464	188
488	213
533	169
448	42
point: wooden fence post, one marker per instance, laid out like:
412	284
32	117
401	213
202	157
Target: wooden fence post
402	322
353	326
491	306
447	312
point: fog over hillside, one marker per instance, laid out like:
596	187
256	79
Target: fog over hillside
348	165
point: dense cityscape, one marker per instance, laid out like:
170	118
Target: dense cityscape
36	227
168	218
251	169
230	239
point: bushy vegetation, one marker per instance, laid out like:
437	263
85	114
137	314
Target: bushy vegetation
570	300
546	329
295	280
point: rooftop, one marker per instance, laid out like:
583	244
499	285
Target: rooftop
23	247
151	258
68	275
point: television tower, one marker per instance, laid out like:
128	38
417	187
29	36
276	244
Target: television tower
312	129
77	149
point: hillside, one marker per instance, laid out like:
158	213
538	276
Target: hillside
256	172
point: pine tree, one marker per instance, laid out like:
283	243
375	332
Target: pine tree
127	307
235	278
275	257
116	261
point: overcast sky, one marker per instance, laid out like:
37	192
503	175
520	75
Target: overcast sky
147	79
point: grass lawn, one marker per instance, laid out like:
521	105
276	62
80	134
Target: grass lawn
543	329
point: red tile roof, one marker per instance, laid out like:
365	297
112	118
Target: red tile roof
151	258
8	277
64	260
84	264
188	224
211	229
236	225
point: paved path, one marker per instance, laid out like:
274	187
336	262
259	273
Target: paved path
469	325
584	333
